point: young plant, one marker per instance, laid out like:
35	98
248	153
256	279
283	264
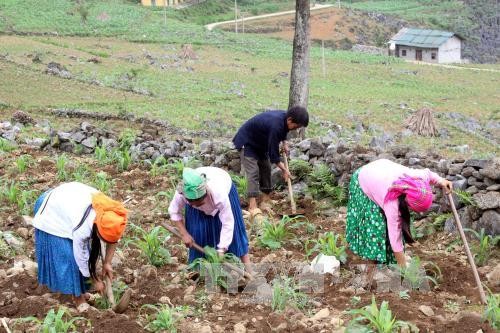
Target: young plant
123	159
23	162
61	163
275	235
286	293
377	319
300	169
102	182
60	321
241	184
212	266
492	310
102	156
429	228
404	294
118	287
321	184
158	167
11	192
465	197
414	275
25	201
164	318
6	146
452	307
329	244
81	173
126	139
486	243
152	244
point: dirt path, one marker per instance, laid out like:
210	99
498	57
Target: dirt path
258	17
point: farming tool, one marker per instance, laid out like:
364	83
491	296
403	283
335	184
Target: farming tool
122	304
482	295
241	272
290	194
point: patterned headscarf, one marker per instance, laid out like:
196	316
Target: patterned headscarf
418	193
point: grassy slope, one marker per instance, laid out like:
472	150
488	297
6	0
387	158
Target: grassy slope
235	76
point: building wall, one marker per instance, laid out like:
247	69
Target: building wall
411	53
451	51
160	3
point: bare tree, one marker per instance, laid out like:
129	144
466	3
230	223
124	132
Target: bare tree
299	78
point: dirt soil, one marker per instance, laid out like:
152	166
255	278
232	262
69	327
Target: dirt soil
337	27
222	311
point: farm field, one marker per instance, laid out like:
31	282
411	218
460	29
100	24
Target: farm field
121	74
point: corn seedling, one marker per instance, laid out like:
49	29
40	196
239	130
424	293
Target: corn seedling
465	197
275	235
241	185
118	287
482	250
152	244
102	182
211	266
11	192
6	146
300	169
60	321
126	140
492	310
286	293
102	156
158	167
81	173
23	162
414	275
321	184
61	163
123	159
164	317
329	244
25	201
376	319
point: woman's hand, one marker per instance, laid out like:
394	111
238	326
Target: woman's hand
99	286
447	186
286	174
107	270
187	240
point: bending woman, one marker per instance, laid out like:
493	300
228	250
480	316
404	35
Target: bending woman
381	195
70	222
213	214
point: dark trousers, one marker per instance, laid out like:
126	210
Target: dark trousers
258	174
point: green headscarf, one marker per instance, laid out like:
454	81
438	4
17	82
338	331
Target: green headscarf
194	184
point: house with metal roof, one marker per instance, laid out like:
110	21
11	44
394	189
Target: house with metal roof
427	45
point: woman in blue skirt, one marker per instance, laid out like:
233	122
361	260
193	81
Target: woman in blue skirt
70	222
213	214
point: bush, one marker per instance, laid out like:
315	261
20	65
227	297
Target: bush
321	184
300	169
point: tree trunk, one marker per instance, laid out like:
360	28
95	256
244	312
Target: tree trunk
299	78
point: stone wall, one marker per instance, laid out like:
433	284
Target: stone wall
480	178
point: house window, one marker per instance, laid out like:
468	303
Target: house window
433	55
403	53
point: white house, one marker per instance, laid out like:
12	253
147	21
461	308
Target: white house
427	45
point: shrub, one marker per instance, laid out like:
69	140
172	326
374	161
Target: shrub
300	169
321	184
465	197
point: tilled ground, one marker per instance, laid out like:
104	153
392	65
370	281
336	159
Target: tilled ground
21	296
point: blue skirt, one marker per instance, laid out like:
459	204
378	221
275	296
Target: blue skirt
205	229
39	201
57	268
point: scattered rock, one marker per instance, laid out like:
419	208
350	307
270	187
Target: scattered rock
489	200
240	327
205	329
494	276
426	310
321	314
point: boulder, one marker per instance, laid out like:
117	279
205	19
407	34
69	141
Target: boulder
426	310
494	276
492	169
77	137
90	142
205	147
455	168
305	145
490	221
476	163
488	200
316	148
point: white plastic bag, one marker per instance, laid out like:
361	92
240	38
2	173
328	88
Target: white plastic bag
325	264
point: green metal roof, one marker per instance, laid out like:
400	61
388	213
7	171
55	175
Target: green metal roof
421	37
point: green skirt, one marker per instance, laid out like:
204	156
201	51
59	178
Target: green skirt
366	230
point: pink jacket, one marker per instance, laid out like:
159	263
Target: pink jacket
376	177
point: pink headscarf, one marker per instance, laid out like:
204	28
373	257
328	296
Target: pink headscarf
418	193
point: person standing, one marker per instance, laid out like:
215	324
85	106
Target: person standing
258	141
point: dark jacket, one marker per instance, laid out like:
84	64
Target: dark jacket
262	134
